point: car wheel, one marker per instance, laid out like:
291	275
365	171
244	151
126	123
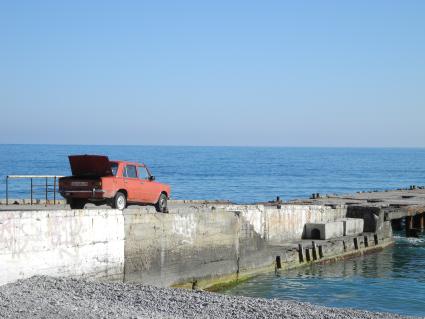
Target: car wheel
161	205
77	203
120	201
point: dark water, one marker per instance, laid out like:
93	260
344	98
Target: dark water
393	280
238	174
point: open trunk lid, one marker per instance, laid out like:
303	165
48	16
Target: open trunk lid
90	165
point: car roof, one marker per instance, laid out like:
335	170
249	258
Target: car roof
127	163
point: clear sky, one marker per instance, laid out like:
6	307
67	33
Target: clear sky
272	73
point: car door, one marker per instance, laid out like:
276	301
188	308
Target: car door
149	193
131	183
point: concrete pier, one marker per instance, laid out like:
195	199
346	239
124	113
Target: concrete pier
403	207
199	244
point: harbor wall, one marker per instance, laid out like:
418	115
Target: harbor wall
78	243
192	246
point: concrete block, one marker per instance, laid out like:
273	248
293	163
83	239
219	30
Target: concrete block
373	217
353	226
324	230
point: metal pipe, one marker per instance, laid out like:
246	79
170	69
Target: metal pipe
31	191
54	191
7	190
46	192
32	177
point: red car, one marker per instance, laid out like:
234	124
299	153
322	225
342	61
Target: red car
96	179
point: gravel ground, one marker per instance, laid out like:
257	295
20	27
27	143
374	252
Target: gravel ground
48	297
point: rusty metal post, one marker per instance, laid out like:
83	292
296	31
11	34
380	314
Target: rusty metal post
409	226
46	192
307	255
320	251
31	191
7	190
300	253
313	244
54	191
366	241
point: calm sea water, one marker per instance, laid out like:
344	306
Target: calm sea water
392	280
240	174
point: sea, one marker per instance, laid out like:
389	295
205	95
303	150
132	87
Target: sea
392	280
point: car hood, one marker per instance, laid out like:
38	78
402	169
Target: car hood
90	165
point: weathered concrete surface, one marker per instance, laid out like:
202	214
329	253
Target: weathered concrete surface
287	223
211	241
307	251
166	249
373	216
61	243
196	244
324	230
353	226
394	204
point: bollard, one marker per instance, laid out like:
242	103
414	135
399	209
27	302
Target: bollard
278	262
279	202
314	250
409	226
320	251
300	253
307	255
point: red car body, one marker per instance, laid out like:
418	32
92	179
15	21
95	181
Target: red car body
96	179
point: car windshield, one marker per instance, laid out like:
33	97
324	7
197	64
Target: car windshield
114	167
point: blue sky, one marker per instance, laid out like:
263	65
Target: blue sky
269	73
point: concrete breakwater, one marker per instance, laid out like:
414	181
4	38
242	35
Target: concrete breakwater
196	245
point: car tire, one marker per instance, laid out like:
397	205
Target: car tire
161	205
77	203
120	201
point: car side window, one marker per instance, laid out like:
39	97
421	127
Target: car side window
143	173
114	167
130	171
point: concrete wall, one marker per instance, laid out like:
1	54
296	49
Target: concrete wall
165	249
373	216
84	243
211	241
286	224
189	244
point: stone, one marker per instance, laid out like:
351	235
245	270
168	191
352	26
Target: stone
353	226
324	230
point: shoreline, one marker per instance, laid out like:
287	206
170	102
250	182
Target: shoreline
49	297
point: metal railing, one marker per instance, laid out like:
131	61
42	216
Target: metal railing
48	188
